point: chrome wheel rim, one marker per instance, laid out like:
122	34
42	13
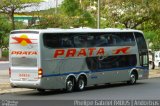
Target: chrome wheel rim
133	78
69	85
81	84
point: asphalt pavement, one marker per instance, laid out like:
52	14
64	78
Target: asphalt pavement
144	90
147	89
4	65
5	86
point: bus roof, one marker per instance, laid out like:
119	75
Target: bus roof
76	30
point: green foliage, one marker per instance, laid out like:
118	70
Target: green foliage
70	7
4	31
85	20
135	14
154	39
53	21
76	12
9	7
130	14
5	24
20	25
5	53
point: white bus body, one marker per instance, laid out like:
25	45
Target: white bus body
157	58
74	58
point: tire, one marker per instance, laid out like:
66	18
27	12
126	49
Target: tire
41	90
81	84
133	79
70	85
12	86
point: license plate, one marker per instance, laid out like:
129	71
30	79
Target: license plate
24	75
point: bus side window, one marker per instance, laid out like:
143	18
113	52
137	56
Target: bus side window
66	42
80	40
110	40
100	40
128	38
84	40
51	41
114	39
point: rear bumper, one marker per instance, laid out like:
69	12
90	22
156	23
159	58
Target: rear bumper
25	84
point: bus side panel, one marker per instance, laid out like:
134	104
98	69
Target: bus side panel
51	69
102	77
114	67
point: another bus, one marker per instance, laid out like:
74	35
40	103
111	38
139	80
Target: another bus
73	59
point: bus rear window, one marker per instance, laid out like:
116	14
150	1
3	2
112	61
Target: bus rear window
24	62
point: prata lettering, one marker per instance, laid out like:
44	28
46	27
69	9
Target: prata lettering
24	53
72	52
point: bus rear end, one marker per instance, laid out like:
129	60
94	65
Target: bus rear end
24	59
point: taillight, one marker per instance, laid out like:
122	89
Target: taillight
40	72
9	72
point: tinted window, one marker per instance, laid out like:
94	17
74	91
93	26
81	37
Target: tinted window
69	40
104	39
111	62
120	39
57	40
25	62
84	40
140	41
142	48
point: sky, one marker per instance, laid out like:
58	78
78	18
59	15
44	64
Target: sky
44	5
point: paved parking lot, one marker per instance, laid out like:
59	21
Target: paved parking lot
5	86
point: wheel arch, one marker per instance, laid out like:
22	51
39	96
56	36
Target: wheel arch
70	76
82	75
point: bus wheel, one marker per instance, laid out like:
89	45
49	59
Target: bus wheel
41	90
70	85
81	84
133	78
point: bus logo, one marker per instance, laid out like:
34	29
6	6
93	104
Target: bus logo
121	50
23	40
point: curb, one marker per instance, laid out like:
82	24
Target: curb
14	90
8	89
4	62
158	76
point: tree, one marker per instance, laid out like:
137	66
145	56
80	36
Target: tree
4	31
77	13
70	7
130	14
135	14
53	21
9	7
